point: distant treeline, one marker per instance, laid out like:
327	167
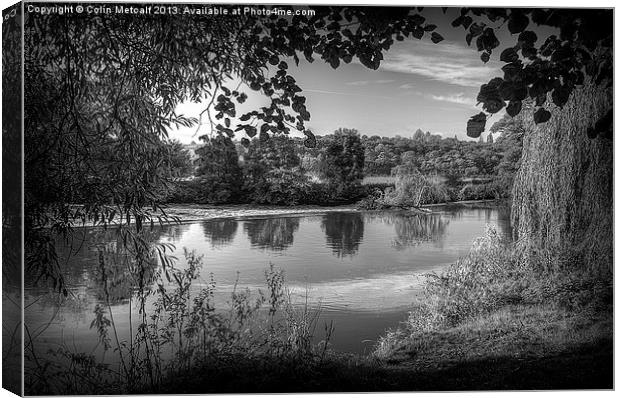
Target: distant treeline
282	170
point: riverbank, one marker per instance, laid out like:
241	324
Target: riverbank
184	213
495	320
517	348
196	212
191	213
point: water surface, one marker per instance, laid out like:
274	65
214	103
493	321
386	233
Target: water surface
365	268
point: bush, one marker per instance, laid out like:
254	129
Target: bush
204	190
479	192
281	187
495	274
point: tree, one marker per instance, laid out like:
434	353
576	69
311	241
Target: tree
343	163
179	161
272	173
218	170
418	135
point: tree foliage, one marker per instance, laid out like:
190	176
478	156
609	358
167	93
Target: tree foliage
540	68
272	173
218	170
343	162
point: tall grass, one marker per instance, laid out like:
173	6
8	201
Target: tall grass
182	331
495	275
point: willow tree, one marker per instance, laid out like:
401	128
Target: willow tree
562	195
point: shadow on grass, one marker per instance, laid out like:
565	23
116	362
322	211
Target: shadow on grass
585	367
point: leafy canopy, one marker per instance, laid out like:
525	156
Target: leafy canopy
535	67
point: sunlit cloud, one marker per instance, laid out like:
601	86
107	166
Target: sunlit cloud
368	82
458	98
343	93
443	62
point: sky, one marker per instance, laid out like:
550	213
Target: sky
418	85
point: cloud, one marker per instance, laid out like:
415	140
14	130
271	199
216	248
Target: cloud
409	86
458	98
343	93
367	82
445	62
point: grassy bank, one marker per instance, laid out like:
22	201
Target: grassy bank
497	319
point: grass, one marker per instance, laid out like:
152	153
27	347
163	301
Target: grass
507	349
379	180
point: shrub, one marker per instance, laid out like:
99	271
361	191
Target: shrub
495	274
204	190
281	187
479	192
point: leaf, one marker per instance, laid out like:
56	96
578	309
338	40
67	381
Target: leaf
514	108
245	118
560	95
489	40
541	115
245	142
436	37
417	19
250	131
476	124
517	22
485	57
527	38
310	141
430	27
264	128
509	55
334	61
467	21
457	22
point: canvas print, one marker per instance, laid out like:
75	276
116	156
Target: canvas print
247	198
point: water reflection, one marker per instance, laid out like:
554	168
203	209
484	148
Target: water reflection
414	229
503	221
220	233
273	233
111	264
411	229
344	232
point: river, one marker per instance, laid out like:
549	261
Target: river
365	268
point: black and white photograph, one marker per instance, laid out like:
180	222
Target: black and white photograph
215	198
